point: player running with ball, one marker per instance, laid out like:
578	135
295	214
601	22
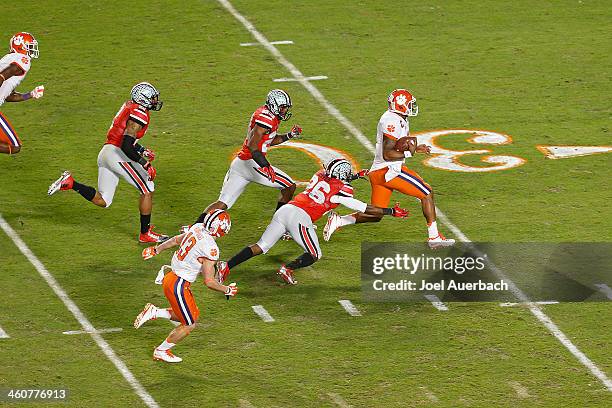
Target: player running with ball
327	189
196	255
389	173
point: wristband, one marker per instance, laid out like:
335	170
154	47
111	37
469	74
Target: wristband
285	137
3	78
387	211
139	149
26	96
407	154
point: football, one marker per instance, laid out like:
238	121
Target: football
402	144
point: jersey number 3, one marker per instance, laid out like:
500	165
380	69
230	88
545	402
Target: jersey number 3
188	242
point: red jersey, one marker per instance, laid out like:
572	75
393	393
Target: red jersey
132	111
266	119
315	200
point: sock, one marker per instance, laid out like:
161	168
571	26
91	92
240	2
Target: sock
432	230
166	345
145	223
302	261
347	220
240	257
279	205
162	314
87	192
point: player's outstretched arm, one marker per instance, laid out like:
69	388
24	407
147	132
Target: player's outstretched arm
208	272
362	207
151	251
295	131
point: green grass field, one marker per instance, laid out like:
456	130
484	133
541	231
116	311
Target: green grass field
536	71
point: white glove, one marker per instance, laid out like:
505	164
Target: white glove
38	92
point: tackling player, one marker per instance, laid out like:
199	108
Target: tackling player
251	164
327	189
388	172
196	255
14	67
122	157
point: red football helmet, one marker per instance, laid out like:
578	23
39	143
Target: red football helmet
24	43
217	223
401	101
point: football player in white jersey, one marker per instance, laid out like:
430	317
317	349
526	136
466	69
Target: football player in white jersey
14	67
197	254
389	173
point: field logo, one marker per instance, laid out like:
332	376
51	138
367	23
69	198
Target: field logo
446	159
319	153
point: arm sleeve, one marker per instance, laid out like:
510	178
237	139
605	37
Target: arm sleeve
259	158
349	202
127	146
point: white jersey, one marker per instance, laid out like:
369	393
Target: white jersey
197	244
393	126
8	86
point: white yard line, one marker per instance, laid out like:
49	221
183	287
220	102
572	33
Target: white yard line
76	312
282	42
543	302
605	289
338	400
263	313
521	390
3	334
98	331
436	302
310	78
349	307
314	91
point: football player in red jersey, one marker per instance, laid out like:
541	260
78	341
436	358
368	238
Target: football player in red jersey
14	67
251	164
122	157
327	189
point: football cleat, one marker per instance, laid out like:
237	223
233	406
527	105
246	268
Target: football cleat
65	182
287	275
152	236
221	271
148	313
333	223
440	242
165	355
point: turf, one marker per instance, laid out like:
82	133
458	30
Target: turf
537	72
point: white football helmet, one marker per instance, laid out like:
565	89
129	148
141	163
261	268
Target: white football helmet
276	99
217	223
146	95
401	101
341	169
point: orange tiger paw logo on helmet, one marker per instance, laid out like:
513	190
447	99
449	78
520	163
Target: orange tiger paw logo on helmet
391	128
